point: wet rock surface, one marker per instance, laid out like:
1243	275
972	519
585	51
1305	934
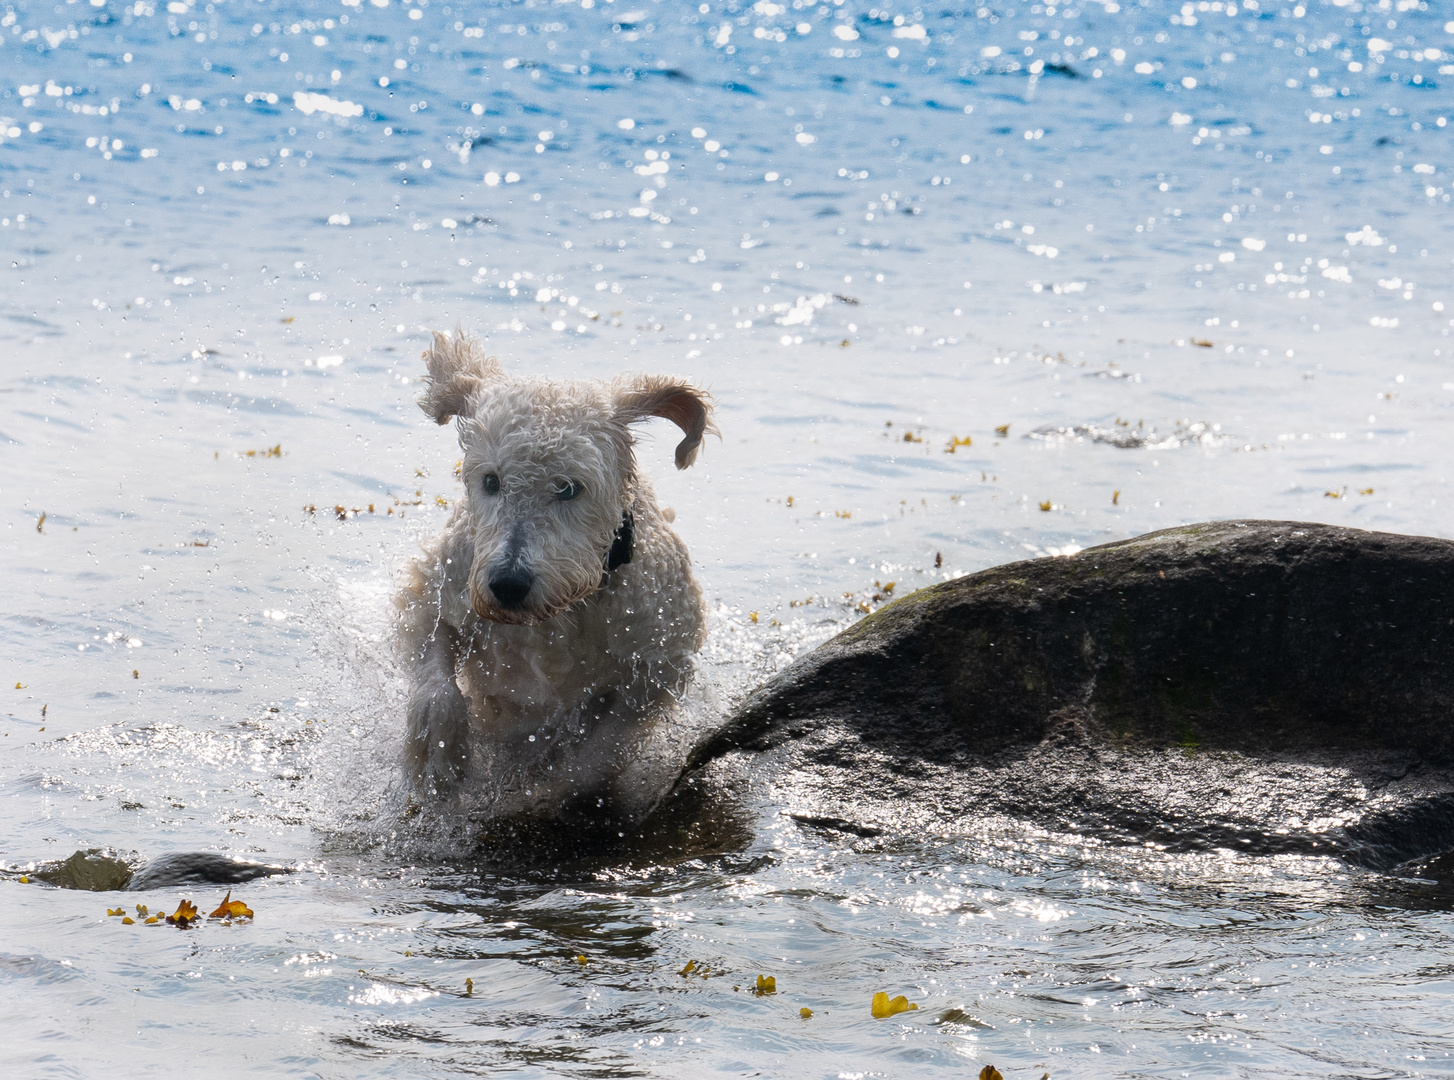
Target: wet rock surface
201	868
91	870
1256	685
104	870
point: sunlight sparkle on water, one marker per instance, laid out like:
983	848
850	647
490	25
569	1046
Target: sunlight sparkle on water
967	287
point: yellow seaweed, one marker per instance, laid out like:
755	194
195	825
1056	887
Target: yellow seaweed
231	909
884	1006
185	915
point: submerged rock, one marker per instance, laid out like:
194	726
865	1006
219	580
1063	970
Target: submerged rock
201	868
1271	686
104	870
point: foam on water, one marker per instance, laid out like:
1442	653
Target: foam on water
969	284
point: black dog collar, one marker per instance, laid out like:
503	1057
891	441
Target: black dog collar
620	553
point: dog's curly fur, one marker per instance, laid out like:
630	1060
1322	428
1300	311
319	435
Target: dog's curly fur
585	652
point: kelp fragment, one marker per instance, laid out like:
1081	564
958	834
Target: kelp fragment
231	909
185	915
766	984
884	1006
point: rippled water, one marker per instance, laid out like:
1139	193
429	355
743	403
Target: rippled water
969	284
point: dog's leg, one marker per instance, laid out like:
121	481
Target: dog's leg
438	716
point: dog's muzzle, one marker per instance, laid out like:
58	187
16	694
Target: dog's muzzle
510	584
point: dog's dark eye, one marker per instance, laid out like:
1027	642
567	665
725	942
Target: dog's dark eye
567	490
491	484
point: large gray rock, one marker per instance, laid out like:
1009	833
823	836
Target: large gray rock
1246	635
1255	685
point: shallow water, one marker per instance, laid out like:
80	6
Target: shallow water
1194	263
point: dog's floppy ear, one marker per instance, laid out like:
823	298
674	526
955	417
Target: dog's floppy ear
672	399
458	368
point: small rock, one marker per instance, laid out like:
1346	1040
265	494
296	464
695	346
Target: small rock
92	870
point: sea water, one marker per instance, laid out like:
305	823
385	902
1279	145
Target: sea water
968	283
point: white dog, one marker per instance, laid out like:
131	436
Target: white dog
557	610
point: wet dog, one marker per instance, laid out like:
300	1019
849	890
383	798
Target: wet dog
557	612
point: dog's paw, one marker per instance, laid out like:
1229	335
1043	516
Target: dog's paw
438	735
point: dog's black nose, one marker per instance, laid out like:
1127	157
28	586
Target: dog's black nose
511	586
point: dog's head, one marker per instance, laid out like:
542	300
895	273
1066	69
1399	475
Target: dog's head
548	471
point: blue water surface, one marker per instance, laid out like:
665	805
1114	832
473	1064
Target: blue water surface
968	283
